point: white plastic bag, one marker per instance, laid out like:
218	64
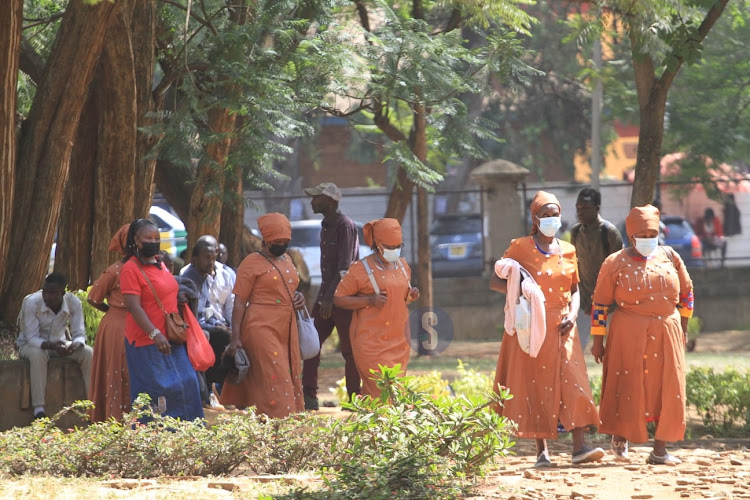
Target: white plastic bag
309	342
523	323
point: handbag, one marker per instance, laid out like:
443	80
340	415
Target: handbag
236	367
176	327
309	342
199	350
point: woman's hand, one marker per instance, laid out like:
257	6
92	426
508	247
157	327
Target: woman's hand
299	300
413	295
232	347
378	300
162	344
597	349
567	324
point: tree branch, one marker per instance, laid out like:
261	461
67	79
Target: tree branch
31	63
643	66
708	22
384	123
43	20
364	19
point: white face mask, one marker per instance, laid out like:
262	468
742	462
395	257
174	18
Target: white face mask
646	246
391	255
548	226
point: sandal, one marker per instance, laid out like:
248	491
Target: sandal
587	454
542	462
667	459
620	450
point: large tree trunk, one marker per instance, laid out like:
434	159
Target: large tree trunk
205	204
424	261
44	159
10	40
74	233
116	171
233	209
650	138
144	55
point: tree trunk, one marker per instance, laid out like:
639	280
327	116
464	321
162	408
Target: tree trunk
424	260
233	209
10	40
205	204
650	137
74	234
398	201
116	170
44	158
143	31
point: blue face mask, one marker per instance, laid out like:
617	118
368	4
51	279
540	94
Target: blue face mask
646	246
549	226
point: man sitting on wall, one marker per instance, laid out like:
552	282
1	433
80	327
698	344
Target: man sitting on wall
46	319
215	283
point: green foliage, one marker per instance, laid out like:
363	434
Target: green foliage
473	385
165	446
695	325
596	388
406	444
722	399
91	315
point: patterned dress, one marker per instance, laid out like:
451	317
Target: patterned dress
644	361
379	336
110	383
554	386
269	336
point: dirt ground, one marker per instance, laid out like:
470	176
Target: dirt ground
710	469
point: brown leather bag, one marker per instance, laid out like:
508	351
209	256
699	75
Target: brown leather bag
176	327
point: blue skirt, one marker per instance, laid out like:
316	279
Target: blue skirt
170	376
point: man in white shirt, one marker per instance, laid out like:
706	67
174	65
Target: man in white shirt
46	317
215	305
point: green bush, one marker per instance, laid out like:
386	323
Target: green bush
91	315
410	444
722	399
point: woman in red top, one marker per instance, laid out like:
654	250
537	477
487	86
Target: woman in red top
157	367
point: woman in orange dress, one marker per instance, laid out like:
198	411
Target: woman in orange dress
110	384
265	325
379	330
554	386
644	362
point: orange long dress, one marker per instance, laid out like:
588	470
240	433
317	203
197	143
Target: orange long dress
644	362
379	336
554	386
110	383
269	336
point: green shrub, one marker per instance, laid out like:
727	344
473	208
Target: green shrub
722	399
471	384
408	444
695	325
91	315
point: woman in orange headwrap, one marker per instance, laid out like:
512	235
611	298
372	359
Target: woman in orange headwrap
110	384
644	362
265	325
378	289
552	387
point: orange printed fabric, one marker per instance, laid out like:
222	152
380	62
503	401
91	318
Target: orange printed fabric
643	376
378	336
269	336
554	386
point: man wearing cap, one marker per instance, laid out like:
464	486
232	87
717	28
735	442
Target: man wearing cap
339	247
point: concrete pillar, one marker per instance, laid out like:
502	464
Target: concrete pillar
502	205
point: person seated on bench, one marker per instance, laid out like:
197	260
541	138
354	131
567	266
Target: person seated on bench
45	318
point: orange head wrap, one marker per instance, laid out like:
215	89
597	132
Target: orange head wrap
540	199
274	226
642	219
385	231
119	240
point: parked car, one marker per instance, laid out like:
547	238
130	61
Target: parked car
456	245
679	234
306	238
171	230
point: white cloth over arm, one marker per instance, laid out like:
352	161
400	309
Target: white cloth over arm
511	271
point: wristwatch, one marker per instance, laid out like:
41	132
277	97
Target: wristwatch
154	333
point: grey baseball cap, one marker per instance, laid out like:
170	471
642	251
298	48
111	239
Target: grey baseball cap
327	188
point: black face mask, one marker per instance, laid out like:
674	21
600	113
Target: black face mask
149	249
278	250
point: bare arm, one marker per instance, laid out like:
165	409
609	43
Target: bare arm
133	306
101	306
238	315
354	302
498	284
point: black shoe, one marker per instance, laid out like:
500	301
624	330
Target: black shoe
39	415
311	403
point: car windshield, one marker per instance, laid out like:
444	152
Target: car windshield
456	225
677	229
